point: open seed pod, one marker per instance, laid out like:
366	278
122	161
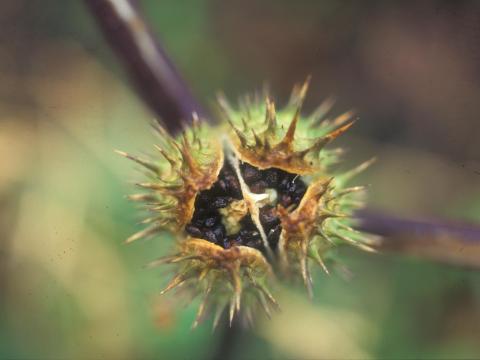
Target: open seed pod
251	195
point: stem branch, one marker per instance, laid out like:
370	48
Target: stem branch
151	71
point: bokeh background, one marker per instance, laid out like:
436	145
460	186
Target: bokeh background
69	287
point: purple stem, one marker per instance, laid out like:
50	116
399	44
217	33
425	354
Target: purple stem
387	225
449	242
151	71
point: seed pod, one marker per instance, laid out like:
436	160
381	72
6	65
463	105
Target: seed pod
246	196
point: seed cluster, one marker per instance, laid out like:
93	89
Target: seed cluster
207	222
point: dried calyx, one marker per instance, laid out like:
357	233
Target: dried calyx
251	194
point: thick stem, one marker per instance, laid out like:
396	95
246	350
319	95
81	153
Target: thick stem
228	342
449	242
151	71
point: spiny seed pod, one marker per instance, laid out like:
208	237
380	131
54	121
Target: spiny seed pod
248	195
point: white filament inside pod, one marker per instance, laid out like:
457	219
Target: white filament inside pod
254	201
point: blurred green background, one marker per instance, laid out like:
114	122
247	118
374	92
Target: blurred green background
69	287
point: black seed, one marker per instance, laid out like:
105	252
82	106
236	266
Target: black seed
228	182
211	221
231	240
221	202
284	184
268	217
301	189
202	198
271	177
247	223
233	186
285	200
250	238
221	184
219	232
258	187
210	236
194	231
250	173
255	243
198	219
215	235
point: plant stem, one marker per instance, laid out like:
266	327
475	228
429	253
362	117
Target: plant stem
448	242
151	71
228	341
